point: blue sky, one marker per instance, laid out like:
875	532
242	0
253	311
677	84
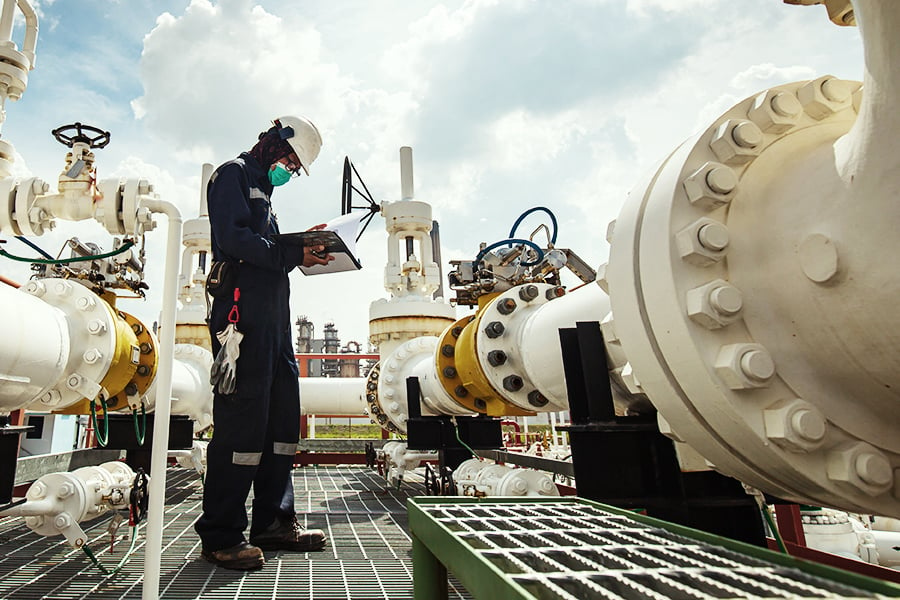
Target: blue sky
507	105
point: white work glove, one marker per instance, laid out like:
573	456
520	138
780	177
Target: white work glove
224	369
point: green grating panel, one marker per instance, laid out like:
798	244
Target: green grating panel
368	556
572	549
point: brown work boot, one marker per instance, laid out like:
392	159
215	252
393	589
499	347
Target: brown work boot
287	534
241	557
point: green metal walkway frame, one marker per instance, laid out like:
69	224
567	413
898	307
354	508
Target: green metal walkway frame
573	549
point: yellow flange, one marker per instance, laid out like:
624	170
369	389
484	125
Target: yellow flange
145	369
461	374
132	368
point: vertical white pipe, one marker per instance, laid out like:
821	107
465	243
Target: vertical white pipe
31	31
6	20
406	174
160	446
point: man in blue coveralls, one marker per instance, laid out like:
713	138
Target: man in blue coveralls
257	426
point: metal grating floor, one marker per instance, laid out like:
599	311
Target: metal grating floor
559	551
368	556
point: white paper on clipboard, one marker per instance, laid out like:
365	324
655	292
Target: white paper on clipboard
341	244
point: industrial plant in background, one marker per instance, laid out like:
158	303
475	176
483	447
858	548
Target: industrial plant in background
329	343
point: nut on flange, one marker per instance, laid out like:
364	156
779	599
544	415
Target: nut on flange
744	366
711	186
862	466
775	111
795	425
737	142
825	96
704	242
714	305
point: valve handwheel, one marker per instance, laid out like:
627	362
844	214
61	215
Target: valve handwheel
139	498
69	135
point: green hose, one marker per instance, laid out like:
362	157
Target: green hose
773	528
62	261
122	562
140	432
102	440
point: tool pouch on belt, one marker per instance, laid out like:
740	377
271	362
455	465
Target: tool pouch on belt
221	279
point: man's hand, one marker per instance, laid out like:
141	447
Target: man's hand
315	255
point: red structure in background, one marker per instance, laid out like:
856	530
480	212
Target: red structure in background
790	527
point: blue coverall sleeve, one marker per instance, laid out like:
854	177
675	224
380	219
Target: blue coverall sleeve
231	220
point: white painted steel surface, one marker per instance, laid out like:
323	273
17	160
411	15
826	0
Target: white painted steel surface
333	395
751	290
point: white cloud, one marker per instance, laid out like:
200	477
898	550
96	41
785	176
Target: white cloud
508	104
227	69
521	138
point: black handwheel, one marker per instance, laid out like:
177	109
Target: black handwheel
68	135
139	498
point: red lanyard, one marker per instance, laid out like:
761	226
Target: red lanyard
234	316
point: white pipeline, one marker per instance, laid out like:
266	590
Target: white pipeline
537	343
35	349
159	448
333	396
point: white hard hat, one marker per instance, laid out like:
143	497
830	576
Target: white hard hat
302	136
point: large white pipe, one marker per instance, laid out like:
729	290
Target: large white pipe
35	348
333	396
538	341
160	445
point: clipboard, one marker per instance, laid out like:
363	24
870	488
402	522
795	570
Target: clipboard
334	245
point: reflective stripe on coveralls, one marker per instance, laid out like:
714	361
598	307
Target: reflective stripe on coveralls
246	458
284	448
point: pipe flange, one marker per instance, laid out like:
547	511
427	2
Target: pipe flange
687	295
92	337
147	363
500	334
108	211
391	382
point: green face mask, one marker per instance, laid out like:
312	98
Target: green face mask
278	175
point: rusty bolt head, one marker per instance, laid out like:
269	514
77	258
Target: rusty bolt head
494	329
737	142
860	465
714	305
537	399
448	350
702	243
456	331
744	366
795	425
496	357
825	96
480	404
460	391
506	306
528	292
555	292
513	383
449	372
143	370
